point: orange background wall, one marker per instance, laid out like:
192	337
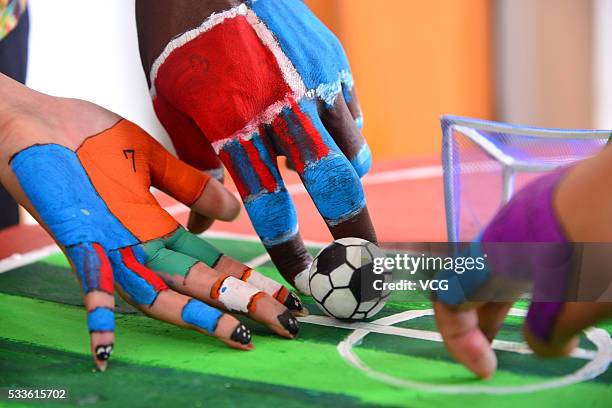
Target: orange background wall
414	60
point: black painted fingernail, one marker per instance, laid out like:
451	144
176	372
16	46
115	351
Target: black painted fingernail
104	352
289	322
241	334
293	302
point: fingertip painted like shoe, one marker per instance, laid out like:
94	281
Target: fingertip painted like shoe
241	335
289	322
301	282
293	302
103	352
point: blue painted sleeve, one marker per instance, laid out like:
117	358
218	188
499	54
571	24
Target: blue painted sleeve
332	181
141	291
86	264
201	315
101	319
273	216
60	190
313	49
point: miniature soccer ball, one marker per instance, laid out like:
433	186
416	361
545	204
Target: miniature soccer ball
342	280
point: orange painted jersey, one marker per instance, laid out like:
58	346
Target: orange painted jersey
123	162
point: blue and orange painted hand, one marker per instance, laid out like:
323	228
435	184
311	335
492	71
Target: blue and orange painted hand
97	204
261	80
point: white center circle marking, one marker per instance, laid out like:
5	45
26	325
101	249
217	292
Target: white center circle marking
595	367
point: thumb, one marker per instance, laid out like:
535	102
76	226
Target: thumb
196	189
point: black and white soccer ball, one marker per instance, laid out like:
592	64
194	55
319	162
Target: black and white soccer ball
342	280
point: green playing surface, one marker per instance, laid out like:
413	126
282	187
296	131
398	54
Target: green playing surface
44	344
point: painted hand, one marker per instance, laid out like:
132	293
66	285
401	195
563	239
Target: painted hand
261	80
523	247
95	201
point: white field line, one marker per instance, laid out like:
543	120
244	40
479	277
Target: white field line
392	176
384	177
253	238
593	367
18	260
258	261
501	345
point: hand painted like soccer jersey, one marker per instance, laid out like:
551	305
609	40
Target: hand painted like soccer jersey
97	204
247	83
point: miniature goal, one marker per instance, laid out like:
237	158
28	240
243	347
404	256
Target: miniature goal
486	162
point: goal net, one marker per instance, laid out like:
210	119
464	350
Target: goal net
486	162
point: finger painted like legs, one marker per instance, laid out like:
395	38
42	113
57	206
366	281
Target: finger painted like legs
573	317
101	322
292	302
289	322
556	347
464	340
294	267
239	296
101	326
231	294
102	344
210	320
241	334
360	226
268	202
183	311
279	292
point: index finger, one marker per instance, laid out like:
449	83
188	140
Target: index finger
464	339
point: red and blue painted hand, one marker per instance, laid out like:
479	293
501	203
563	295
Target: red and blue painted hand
258	81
